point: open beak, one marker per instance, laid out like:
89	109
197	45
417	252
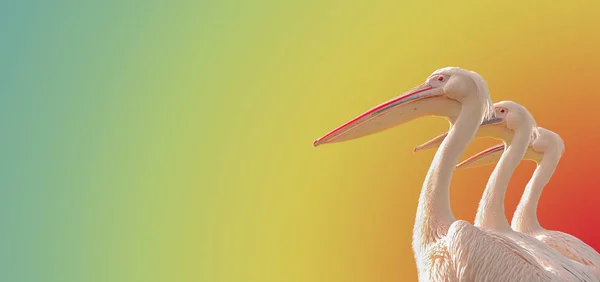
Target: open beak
492	155
494	128
423	100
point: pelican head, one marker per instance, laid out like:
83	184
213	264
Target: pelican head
547	141
442	94
508	118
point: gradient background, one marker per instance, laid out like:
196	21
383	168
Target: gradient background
164	141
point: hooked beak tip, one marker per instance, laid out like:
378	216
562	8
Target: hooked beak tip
415	149
316	143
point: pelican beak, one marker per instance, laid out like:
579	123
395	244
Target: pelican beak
492	155
485	157
494	128
433	143
421	101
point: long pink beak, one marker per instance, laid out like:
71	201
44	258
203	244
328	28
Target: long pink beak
492	155
423	100
485	157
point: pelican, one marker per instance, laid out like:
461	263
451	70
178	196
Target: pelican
447	249
546	150
514	125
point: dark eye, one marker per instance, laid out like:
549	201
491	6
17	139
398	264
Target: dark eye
502	110
441	78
